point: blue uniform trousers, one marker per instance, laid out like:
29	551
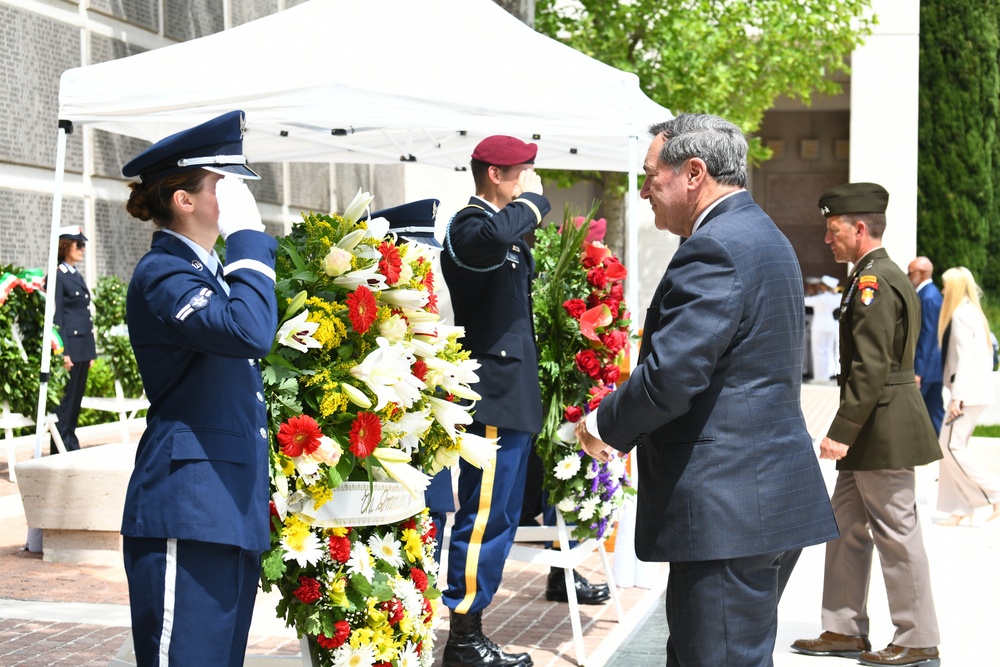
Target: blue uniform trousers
440	500
486	520
724	612
68	412
191	602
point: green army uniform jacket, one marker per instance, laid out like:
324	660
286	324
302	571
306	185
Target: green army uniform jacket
882	417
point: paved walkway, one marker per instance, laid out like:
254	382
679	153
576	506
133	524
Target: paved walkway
73	615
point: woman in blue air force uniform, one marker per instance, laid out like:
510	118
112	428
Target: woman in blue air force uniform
196	511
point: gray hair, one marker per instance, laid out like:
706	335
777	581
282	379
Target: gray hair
719	143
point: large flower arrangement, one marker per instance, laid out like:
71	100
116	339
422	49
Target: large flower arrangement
582	326
363	384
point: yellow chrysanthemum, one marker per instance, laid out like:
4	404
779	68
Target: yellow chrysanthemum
295	530
412	545
287	465
385	644
339	531
361	636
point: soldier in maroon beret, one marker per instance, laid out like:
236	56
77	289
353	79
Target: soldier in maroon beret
488	268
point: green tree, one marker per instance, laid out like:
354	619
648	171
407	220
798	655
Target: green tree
958	209
731	58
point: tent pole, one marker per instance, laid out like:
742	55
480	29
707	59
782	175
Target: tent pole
632	243
41	418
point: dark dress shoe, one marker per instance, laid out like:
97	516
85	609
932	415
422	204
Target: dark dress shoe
901	655
832	643
467	646
586	592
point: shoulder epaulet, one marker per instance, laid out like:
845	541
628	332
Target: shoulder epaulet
62	267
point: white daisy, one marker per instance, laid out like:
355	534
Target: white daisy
412	599
345	656
386	547
360	561
588	507
568	467
409	657
303	547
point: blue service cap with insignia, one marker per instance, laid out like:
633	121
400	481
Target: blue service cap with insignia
73	233
413	221
215	145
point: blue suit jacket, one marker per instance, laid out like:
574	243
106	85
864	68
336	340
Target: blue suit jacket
488	268
927	359
201	466
726	466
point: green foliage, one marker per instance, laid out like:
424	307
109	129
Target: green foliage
959	151
22	320
112	336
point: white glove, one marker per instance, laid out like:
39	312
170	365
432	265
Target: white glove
529	181
237	207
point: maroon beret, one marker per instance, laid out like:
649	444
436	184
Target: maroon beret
503	151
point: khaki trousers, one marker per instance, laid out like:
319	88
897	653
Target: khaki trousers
964	483
877	508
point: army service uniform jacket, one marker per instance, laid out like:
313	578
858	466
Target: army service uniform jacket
882	417
488	268
201	469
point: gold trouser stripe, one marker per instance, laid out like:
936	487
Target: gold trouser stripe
478	530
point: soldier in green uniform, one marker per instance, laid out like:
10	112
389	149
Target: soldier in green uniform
880	433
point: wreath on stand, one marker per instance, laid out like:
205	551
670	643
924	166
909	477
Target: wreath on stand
582	326
363	386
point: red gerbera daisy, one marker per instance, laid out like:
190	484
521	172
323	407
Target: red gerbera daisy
390	264
366	432
362	309
299	434
419	370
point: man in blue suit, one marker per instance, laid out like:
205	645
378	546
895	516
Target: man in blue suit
927	360
729	486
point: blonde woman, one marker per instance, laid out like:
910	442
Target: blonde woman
967	357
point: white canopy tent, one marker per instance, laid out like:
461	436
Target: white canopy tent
374	82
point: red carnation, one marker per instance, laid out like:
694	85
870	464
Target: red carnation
428	613
597	277
299	434
409	524
615	340
366	432
340	549
575	307
610	374
308	590
573	413
587	362
430	534
362	309
419	578
393	610
390	264
340	635
419	369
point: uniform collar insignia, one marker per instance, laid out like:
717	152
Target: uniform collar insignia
196	264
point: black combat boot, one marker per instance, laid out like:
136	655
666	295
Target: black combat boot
468	647
586	592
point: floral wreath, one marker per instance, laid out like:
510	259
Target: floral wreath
364	385
582	326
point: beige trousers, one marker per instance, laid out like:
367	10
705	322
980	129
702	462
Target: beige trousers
877	508
964	483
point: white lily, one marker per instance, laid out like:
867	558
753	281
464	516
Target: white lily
386	371
422	349
410	428
351	240
477	450
377	228
296	333
397	464
296	303
449	414
355	395
369	277
358	205
421	317
456	378
404	298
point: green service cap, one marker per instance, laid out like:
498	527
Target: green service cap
854	198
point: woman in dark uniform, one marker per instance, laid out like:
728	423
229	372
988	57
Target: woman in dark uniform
73	321
196	510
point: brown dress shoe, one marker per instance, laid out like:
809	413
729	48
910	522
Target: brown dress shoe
901	655
831	643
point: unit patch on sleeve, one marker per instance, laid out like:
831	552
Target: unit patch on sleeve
197	302
868	288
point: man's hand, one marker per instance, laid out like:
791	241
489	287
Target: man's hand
237	207
831	449
528	181
917	377
591	445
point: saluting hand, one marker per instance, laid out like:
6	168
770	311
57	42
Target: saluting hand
528	181
237	207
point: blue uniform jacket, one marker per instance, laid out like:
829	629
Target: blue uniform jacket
201	469
927	359
726	466
73	315
488	268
